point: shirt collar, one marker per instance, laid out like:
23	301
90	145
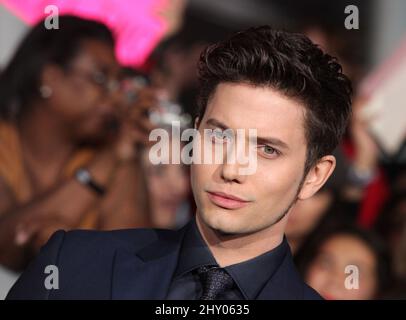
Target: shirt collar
250	276
194	251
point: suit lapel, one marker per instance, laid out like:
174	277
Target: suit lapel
147	273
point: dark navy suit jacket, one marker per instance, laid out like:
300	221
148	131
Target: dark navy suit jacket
127	264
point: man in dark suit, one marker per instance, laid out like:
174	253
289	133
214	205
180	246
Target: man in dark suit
297	99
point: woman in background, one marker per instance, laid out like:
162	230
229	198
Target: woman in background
344	262
67	155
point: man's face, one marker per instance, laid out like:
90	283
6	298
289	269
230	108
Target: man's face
270	191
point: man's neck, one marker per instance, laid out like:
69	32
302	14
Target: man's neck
232	249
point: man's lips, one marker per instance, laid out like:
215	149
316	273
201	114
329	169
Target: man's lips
226	201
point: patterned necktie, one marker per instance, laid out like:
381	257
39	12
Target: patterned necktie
215	281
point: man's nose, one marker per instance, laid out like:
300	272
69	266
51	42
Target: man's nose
231	168
229	173
233	165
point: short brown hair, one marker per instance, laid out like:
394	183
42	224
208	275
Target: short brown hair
291	64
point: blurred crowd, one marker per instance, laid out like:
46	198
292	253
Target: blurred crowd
67	104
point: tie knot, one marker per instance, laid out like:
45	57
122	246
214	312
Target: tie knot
215	281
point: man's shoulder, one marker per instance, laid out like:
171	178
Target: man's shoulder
85	262
115	239
310	294
288	284
91	243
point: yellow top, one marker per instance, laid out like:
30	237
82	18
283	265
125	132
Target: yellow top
13	173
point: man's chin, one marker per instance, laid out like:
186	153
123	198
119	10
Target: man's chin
226	226
228	233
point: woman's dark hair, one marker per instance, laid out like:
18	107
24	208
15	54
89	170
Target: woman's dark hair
337	227
291	64
20	80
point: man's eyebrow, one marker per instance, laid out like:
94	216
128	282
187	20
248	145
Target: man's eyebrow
259	140
273	142
216	123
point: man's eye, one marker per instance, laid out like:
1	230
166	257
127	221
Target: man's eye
269	152
219	136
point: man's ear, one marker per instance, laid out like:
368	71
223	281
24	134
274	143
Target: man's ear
317	177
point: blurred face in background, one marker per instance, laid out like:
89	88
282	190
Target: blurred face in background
305	215
84	97
326	273
168	186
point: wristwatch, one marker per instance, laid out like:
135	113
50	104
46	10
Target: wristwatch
84	177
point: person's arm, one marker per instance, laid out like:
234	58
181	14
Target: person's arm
126	206
64	204
364	167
